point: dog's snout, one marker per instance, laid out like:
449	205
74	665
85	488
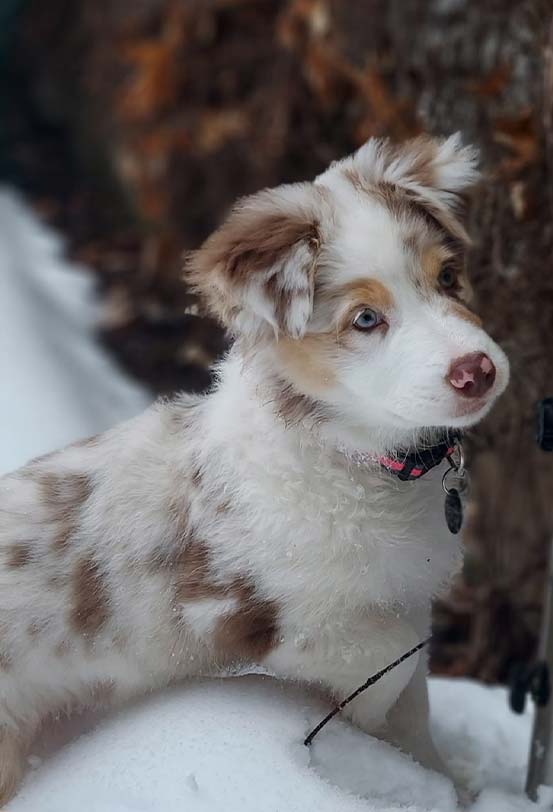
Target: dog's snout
472	375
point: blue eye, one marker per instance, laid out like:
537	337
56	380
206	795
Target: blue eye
367	319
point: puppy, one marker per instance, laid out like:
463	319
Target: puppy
263	522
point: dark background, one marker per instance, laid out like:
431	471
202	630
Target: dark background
132	125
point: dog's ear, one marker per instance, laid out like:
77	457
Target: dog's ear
436	173
257	270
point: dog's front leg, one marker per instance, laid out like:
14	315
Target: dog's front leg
339	660
407	722
341	657
407	727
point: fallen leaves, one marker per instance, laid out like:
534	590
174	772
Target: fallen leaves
518	134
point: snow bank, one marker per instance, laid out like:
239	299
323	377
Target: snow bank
57	385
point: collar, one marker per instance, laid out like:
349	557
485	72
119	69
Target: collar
412	465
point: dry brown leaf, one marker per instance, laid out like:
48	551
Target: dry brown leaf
518	134
216	127
156	72
491	85
153	85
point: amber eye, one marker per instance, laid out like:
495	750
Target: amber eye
368	319
447	278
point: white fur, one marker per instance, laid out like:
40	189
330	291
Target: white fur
202	615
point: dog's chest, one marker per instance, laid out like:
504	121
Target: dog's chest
344	535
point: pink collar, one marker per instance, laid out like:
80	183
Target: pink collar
411	465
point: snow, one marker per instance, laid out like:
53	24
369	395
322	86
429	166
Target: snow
233	744
236	745
58	385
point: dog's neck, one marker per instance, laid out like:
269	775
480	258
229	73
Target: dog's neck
307	420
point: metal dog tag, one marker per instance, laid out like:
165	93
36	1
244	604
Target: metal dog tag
453	511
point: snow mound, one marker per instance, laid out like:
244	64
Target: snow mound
237	745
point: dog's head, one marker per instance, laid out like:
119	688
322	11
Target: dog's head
357	282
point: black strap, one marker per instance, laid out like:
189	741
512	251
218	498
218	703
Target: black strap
425	459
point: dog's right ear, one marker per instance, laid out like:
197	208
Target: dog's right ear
256	271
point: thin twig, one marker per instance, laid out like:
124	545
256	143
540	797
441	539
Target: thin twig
367	684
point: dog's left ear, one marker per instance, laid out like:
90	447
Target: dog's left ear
257	270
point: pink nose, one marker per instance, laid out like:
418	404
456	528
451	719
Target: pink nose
472	375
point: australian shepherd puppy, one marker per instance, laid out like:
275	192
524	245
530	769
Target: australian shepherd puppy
257	524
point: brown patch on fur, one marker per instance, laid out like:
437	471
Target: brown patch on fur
223	507
445	220
252	241
423	150
90	599
250	632
432	259
308	361
258	235
5	661
293	406
399	204
157	560
369	292
63	537
356	179
18	555
460	310
49	484
64	495
191	573
349	298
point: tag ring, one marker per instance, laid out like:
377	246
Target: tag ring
457	469
457	465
